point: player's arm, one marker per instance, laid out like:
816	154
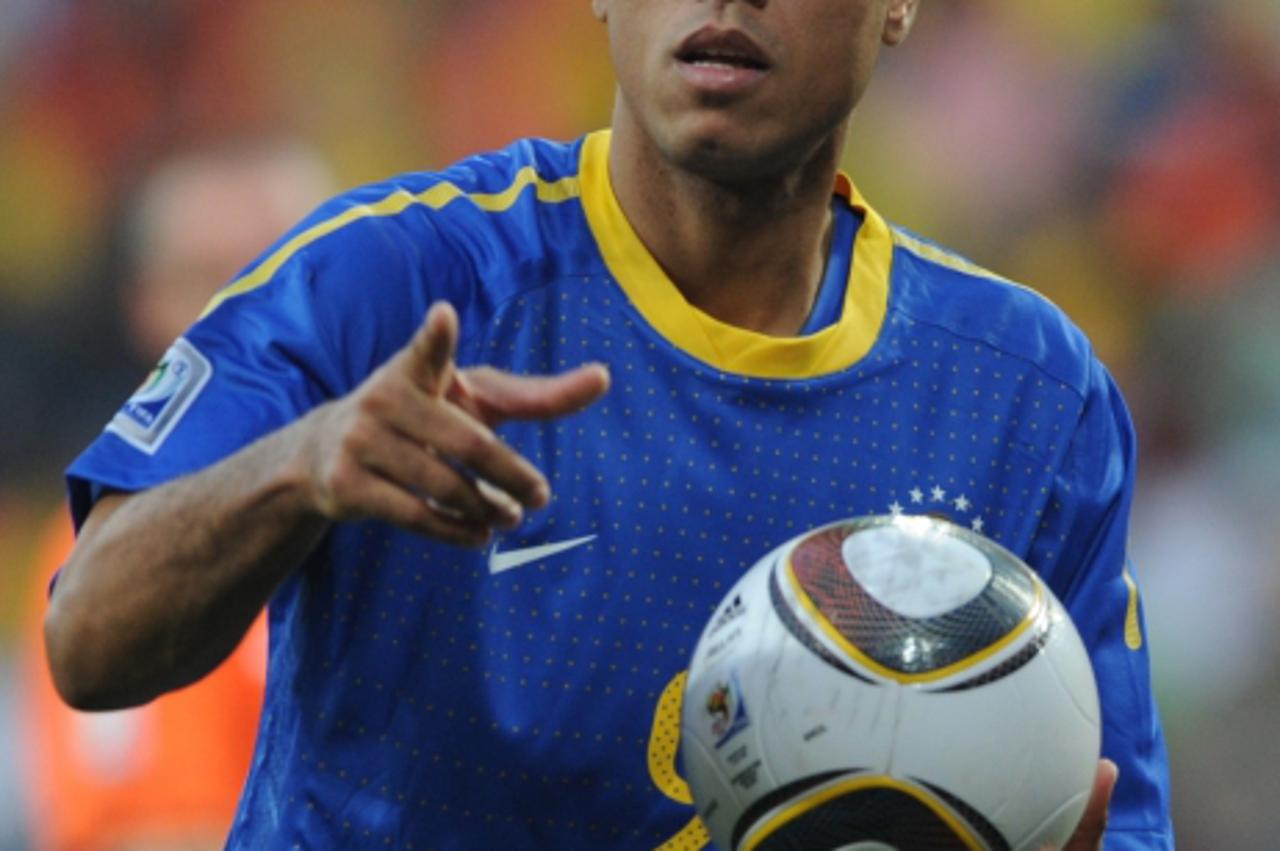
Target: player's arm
1090	573
162	584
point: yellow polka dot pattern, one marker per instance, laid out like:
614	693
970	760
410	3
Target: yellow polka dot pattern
664	742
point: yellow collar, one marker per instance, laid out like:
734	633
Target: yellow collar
723	346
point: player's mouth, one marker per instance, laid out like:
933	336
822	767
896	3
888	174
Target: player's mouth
721	61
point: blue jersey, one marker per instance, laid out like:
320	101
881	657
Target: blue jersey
425	696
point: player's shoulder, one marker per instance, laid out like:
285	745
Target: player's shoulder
487	218
942	289
492	212
489	187
523	163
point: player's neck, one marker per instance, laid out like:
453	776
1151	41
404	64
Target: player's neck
751	255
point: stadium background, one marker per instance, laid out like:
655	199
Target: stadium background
1121	155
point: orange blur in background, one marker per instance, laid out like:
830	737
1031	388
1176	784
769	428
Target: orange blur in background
164	775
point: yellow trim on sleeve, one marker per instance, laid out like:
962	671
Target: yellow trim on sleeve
830	630
803	805
944	258
719	344
1132	626
434	198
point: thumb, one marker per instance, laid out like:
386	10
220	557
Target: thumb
430	353
494	396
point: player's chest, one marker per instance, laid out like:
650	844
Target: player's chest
720	474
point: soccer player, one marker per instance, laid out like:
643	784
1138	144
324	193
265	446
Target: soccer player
487	556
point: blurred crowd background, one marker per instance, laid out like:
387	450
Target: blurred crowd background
1121	156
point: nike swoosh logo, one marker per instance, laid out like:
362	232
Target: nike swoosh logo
498	562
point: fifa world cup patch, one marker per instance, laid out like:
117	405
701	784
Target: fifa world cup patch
158	404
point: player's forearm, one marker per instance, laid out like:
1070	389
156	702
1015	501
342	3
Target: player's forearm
163	584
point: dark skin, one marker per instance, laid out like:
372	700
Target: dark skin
729	123
730	187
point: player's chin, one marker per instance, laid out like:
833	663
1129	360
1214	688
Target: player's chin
727	150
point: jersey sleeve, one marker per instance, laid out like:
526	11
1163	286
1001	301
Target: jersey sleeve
305	324
1097	585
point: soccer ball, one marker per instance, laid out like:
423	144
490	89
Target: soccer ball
890	683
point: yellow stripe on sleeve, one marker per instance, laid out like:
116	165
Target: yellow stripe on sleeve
932	253
1132	628
434	198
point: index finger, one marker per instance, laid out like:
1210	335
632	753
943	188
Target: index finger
430	352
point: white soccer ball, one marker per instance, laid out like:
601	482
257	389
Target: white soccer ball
890	683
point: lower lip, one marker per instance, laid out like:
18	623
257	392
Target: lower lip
720	79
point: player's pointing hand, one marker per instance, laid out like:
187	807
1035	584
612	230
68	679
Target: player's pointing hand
414	445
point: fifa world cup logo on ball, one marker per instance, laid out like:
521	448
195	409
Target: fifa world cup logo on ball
718	708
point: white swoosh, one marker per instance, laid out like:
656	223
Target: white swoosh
499	562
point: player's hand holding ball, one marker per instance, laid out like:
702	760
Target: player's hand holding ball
894	683
414	444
